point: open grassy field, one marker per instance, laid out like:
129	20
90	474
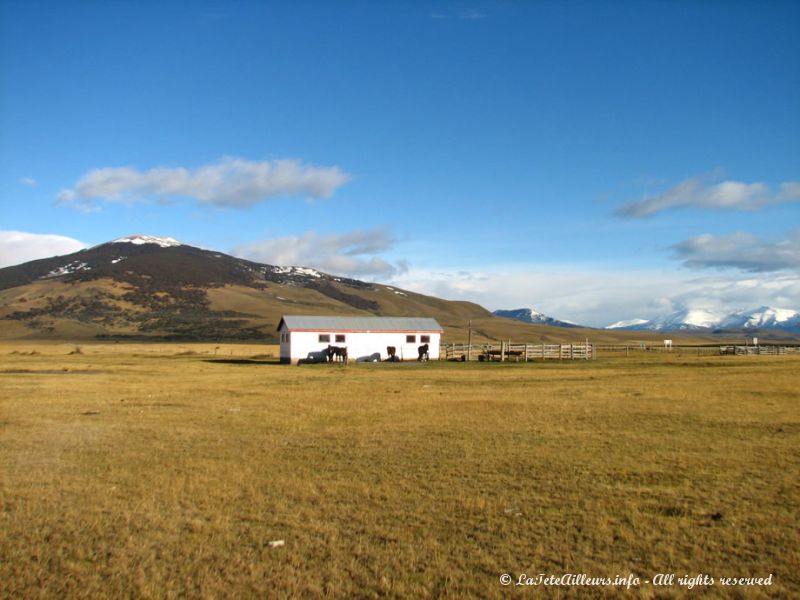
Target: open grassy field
164	471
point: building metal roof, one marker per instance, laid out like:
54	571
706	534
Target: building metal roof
386	324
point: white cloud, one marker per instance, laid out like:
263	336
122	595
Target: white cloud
789	191
600	297
353	254
740	250
232	182
728	294
17	247
29	181
697	192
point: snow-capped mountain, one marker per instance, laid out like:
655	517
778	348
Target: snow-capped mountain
145	286
692	319
531	315
628	324
162	261
764	317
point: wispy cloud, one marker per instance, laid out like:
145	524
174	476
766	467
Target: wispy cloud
740	250
354	253
232	182
466	15
29	181
698	192
17	247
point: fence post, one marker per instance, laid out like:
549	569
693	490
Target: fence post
469	342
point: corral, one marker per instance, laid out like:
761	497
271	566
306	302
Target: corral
506	351
176	471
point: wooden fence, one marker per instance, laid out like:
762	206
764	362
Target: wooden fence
629	349
506	351
710	350
759	350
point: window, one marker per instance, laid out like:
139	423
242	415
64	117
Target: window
340	337
411	339
424	339
324	338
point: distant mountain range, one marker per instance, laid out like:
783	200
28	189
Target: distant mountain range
531	315
701	320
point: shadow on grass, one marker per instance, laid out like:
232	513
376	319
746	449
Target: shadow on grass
243	361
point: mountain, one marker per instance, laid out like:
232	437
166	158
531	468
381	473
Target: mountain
695	319
531	315
701	320
148	287
630	324
764	317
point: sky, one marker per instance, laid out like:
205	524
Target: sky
598	161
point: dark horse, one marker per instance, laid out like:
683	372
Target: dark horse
392	352
337	353
423	352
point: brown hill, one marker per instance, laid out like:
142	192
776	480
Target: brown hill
155	288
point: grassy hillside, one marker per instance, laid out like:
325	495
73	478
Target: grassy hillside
105	308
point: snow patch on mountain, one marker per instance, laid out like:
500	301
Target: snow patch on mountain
693	318
72	267
628	324
296	271
139	240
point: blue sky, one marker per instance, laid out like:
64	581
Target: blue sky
598	161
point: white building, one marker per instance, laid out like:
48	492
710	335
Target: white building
305	338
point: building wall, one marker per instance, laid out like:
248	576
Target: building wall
285	346
305	345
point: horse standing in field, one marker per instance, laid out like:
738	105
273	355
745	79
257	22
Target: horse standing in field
423	352
392	352
337	353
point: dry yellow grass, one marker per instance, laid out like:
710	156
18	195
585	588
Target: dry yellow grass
163	471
